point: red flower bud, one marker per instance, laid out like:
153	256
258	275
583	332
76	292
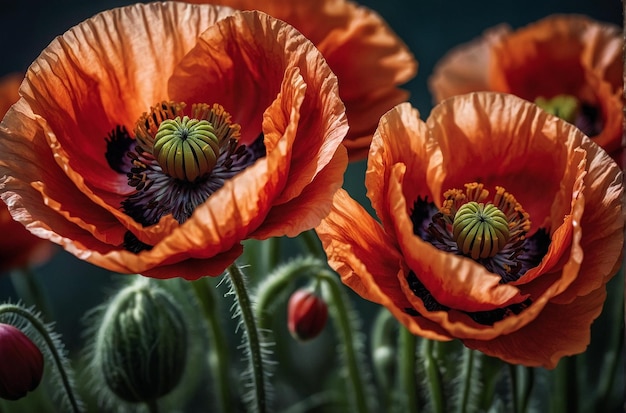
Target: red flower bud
306	315
21	363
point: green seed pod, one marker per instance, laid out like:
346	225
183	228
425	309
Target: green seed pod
141	345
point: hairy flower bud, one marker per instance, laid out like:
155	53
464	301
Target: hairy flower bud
306	314
141	345
21	363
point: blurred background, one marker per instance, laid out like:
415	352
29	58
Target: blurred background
429	28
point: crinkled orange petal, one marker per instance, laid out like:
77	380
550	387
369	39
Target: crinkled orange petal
28	160
85	92
560	330
360	251
403	138
478	137
310	207
560	54
369	59
240	63
464	68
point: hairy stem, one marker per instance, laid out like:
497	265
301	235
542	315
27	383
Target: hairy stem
218	356
252	337
347	338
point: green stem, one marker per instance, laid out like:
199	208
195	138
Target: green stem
252	337
434	376
466	376
269	251
54	352
312	243
514	391
383	346
406	366
347	338
566	393
615	348
218	356
29	290
529	382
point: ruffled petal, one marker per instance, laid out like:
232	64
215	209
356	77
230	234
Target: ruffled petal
102	73
485	127
240	63
560	330
464	68
360	251
401	138
369	59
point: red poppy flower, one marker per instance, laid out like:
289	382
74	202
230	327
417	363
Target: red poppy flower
500	226
569	64
18	247
369	59
154	138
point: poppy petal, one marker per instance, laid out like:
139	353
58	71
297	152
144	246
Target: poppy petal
367	261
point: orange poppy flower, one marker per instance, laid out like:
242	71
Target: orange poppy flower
369	59
500	226
18	247
569	64
154	138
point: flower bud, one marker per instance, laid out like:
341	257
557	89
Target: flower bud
141	345
21	363
306	314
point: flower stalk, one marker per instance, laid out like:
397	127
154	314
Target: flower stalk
253	343
433	375
52	350
340	313
218	356
406	368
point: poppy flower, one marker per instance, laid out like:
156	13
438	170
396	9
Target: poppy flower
154	138
500	225
369	59
18	247
570	65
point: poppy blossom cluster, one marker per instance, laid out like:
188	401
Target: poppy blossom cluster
571	65
500	225
154	138
369	59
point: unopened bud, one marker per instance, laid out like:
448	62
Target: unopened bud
306	314
21	363
141	345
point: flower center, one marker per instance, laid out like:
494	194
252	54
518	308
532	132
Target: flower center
585	116
488	229
178	159
565	107
186	148
480	230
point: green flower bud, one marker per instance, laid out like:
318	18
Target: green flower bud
141	345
